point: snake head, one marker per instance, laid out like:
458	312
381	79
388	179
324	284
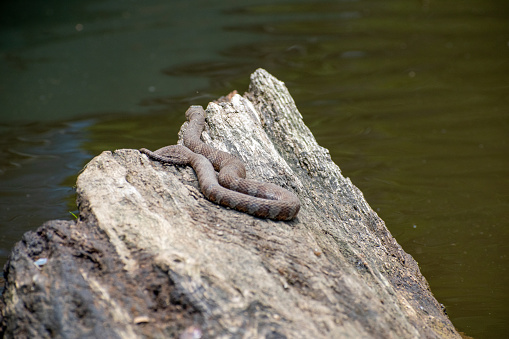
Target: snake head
195	109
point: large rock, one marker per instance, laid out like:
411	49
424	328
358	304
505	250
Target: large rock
151	257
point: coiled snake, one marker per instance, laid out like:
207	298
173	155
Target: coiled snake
230	188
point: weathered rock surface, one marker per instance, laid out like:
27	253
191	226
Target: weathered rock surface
150	257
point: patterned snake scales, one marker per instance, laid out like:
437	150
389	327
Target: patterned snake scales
229	188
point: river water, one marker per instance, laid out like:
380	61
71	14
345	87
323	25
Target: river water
410	97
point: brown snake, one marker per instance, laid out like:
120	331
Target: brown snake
230	188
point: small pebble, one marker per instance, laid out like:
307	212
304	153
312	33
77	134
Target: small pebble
141	320
41	262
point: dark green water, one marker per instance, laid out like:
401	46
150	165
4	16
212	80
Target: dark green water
410	97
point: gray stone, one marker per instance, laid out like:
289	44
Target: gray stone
150	257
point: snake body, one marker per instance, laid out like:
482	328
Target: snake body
230	188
